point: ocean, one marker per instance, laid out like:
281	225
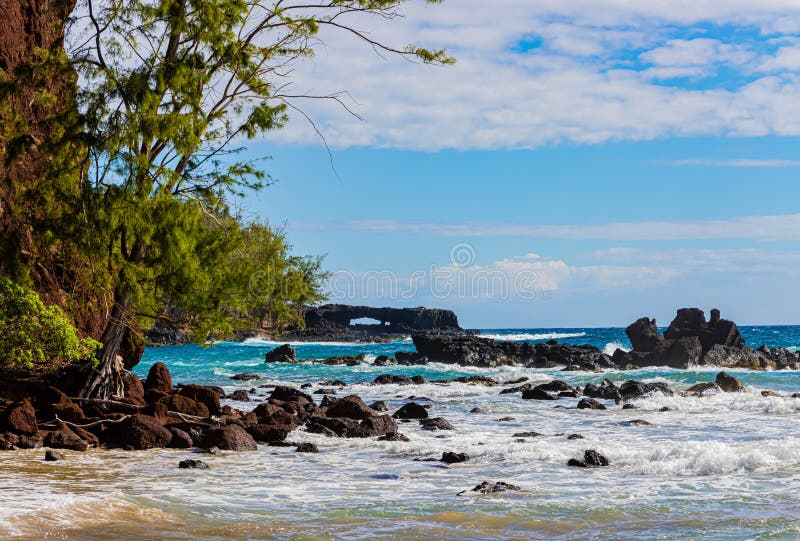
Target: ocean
720	467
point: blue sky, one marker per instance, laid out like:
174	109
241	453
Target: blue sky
581	164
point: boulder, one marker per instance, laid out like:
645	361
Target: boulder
134	389
209	396
409	358
180	439
192	464
138	432
281	354
239	395
53	456
379	405
246	376
606	390
692	322
63	437
591	459
731	357
643	334
159	410
20	418
411	410
266	433
488	487
449	457
702	389
229	438
728	383
537	393
333	383
435	423
184	404
590	404
344	360
632	390
517	389
377	425
307	448
351	407
389	379
393	436
381	360
158	379
271	414
684	352
290	394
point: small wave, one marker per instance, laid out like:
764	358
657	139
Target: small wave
274	343
516	337
611	347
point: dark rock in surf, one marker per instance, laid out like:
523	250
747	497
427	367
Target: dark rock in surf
591	459
379	405
192	464
281	354
351	407
702	389
63	437
728	383
411	410
53	456
643	334
138	432
246	376
307	448
269	433
392	379
537	394
449	457
436	423
229	438
239	395
590	404
488	487
606	390
394	436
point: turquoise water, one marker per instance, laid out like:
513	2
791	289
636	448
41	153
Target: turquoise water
722	467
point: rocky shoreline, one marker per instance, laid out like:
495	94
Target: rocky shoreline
155	414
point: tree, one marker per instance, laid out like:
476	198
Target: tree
169	87
34	335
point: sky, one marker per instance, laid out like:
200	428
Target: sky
583	163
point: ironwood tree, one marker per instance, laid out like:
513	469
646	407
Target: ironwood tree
168	89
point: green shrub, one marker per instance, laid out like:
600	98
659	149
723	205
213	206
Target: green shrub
34	335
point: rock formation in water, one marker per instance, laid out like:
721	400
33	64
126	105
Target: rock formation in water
479	351
691	341
339	322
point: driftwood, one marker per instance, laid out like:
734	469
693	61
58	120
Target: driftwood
87	425
132	408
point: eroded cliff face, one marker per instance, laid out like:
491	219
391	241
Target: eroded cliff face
40	159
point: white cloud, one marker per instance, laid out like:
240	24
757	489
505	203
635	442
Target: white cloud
581	85
756	228
741	162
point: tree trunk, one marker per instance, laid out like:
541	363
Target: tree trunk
105	379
